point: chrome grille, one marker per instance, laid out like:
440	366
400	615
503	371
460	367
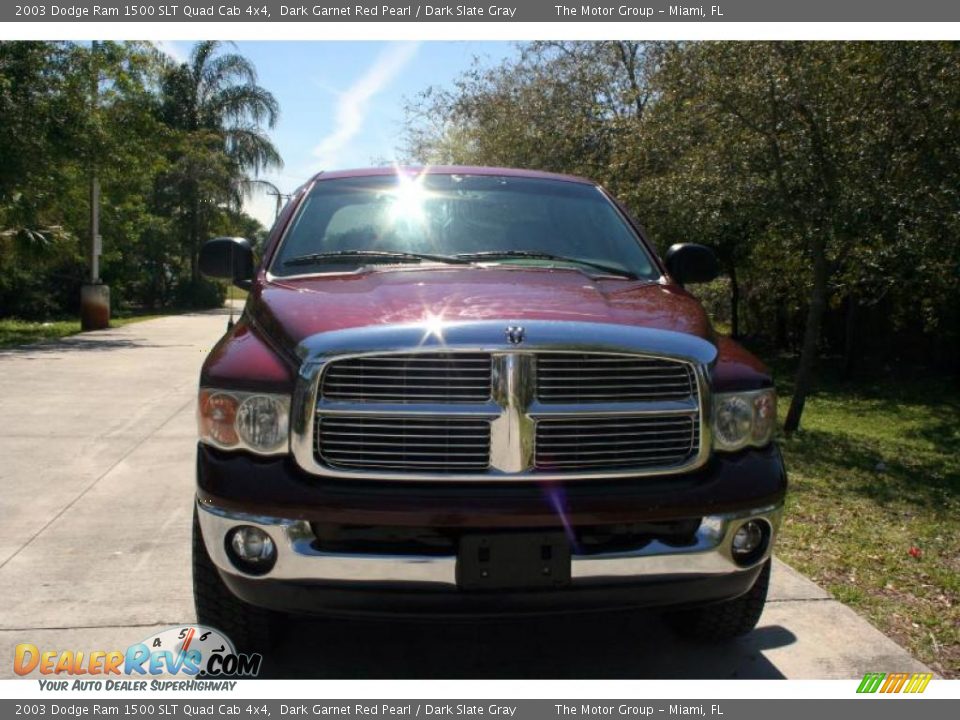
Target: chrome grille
506	413
412	378
586	378
597	443
404	443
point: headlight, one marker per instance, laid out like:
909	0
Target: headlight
240	420
742	419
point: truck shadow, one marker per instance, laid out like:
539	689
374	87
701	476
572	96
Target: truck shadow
612	645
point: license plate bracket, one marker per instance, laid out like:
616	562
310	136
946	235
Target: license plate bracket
513	561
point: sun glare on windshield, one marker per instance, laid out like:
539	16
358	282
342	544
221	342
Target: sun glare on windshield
407	201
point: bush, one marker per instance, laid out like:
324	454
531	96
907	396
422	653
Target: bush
715	297
199	294
41	291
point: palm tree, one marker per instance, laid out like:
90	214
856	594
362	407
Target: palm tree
220	113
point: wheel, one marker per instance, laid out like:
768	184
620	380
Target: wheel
726	620
252	629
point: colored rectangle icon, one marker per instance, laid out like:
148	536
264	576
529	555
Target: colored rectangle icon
894	683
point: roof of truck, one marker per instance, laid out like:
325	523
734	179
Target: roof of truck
449	170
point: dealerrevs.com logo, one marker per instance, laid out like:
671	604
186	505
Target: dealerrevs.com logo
192	651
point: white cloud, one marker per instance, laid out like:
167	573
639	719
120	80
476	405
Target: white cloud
172	49
353	104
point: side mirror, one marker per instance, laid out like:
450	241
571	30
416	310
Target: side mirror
691	263
230	258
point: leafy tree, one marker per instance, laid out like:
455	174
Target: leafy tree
68	109
559	106
42	108
825	175
72	109
220	112
812	130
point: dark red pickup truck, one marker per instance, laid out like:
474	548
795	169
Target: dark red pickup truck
477	392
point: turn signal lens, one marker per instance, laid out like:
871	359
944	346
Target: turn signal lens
742	419
764	417
218	413
240	420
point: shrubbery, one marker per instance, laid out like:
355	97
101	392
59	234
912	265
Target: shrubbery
172	146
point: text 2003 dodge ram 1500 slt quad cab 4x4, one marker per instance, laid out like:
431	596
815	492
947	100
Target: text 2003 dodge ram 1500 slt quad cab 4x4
477	391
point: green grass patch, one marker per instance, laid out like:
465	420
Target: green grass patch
236	293
873	512
23	332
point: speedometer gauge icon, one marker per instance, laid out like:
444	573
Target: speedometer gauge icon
190	646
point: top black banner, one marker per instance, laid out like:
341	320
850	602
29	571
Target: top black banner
503	11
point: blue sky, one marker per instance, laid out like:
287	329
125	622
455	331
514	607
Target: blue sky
341	103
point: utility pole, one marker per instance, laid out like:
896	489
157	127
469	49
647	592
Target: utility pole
280	198
96	246
94	295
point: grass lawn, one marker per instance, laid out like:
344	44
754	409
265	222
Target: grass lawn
22	332
236	293
873	511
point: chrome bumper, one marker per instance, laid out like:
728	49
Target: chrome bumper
299	560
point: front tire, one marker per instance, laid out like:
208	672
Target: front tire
250	628
727	620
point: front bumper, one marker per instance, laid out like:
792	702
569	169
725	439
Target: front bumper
278	487
307	579
278	497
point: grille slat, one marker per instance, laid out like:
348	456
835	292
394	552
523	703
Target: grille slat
432	377
392	379
615	393
418	464
380	387
406	441
561	447
410	443
348	430
607	464
605	432
428	358
556	448
587	454
392	453
587	378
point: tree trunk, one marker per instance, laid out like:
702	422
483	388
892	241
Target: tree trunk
850	338
811	337
780	322
194	235
734	304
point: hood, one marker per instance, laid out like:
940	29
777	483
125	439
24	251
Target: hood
293	309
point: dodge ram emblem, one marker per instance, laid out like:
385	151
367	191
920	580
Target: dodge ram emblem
515	334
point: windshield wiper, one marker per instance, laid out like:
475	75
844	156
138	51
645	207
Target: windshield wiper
507	254
371	256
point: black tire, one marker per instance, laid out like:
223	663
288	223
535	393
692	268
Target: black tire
726	620
252	629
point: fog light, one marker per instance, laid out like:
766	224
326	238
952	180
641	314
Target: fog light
750	542
251	549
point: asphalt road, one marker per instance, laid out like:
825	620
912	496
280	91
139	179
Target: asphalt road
96	488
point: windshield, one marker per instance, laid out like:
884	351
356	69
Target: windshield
347	223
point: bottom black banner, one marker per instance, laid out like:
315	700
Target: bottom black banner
872	708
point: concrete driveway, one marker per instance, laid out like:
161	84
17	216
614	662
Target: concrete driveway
96	487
